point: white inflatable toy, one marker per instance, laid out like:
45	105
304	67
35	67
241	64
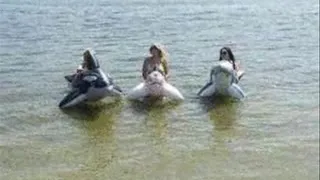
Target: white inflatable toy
223	81
155	86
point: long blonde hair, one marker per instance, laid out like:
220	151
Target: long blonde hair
164	55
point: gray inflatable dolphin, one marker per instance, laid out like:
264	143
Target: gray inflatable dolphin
91	85
223	81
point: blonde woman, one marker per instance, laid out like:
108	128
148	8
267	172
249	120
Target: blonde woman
157	61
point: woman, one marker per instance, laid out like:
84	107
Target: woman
226	54
88	63
157	61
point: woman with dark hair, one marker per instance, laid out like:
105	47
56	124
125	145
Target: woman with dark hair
226	54
90	62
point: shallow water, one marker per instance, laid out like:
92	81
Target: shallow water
272	134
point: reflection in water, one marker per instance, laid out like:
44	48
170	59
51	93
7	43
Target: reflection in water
97	122
154	111
155	118
153	108
156	122
222	112
91	112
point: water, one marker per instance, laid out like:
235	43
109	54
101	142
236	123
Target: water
272	134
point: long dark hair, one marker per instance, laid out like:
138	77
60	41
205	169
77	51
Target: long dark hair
90	60
230	55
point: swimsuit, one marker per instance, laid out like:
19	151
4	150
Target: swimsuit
152	67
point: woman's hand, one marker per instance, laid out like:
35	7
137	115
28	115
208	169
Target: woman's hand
238	67
80	69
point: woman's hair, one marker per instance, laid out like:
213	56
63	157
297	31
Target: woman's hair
158	49
230	55
163	54
89	60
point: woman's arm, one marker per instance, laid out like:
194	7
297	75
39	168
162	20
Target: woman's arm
240	71
211	74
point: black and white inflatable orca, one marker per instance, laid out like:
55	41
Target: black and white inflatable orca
90	85
155	86
223	81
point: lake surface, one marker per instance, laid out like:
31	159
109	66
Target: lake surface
272	134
